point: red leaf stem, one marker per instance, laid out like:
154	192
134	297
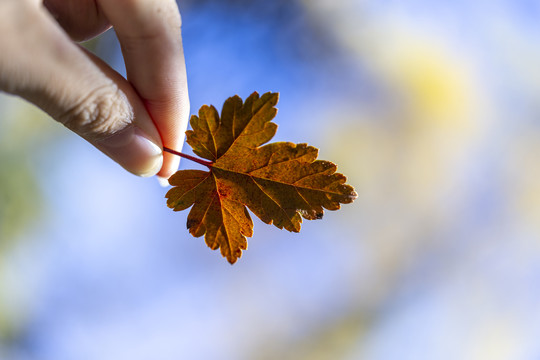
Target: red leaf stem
189	157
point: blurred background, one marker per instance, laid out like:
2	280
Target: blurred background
431	108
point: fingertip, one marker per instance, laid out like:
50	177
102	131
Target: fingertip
163	182
170	165
134	151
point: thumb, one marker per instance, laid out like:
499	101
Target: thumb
80	91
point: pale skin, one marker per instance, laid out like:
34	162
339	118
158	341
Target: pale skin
130	120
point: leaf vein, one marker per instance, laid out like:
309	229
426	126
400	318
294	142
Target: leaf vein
206	211
273	200
276	163
244	129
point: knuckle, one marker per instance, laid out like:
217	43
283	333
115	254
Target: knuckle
99	114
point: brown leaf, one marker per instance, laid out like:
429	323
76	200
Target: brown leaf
279	182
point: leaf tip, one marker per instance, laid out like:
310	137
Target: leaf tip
351	195
272	97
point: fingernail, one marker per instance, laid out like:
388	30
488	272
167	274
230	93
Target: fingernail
162	181
134	151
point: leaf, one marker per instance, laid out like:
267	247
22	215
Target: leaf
279	182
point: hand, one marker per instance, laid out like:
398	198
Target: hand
129	120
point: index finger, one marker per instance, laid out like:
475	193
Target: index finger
149	32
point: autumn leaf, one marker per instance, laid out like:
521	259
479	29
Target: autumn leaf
279	182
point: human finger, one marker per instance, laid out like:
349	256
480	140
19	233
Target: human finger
150	36
42	65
